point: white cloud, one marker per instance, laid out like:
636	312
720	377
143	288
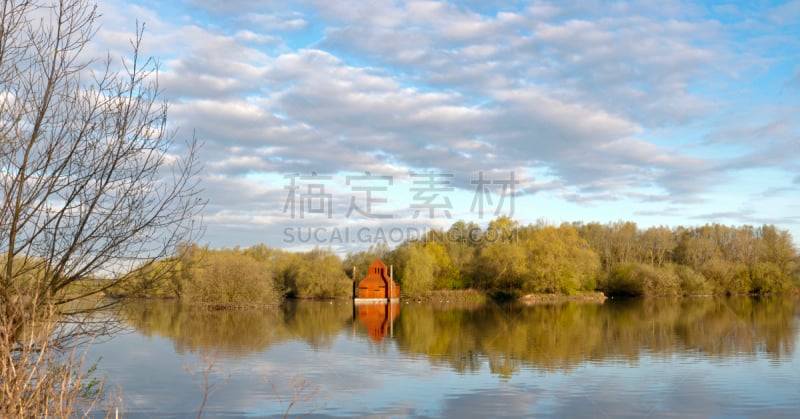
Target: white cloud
596	96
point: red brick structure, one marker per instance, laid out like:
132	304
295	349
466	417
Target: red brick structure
377	283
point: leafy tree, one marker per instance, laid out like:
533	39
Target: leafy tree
502	266
320	275
638	279
726	277
776	247
417	272
231	279
560	261
445	274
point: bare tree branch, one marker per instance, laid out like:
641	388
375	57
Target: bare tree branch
93	184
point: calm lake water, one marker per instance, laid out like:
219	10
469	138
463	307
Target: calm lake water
724	357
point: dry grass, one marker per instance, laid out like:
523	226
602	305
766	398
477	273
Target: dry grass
39	379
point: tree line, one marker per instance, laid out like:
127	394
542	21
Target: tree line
239	277
504	259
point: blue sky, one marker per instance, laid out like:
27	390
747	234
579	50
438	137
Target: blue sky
667	113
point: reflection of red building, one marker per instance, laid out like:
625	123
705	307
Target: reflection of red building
377	283
378	318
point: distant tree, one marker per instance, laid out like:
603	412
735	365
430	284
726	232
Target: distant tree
624	248
657	245
502	266
599	238
417	271
321	276
560	261
445	274
361	260
228	278
776	247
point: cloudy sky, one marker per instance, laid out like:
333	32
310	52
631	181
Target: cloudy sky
379	115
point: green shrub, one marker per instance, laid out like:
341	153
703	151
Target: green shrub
623	281
640	279
692	282
418	271
231	279
767	277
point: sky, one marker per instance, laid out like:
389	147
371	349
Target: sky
345	124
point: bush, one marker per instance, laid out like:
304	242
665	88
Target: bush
692	282
639	279
318	274
417	272
726	277
231	279
623	281
560	261
767	277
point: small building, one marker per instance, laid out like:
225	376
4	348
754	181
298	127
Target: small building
378	284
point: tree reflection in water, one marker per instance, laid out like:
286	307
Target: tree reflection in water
508	337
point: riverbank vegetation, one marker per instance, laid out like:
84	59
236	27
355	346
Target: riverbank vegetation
238	277
615	258
505	260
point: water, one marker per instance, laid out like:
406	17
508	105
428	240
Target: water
725	357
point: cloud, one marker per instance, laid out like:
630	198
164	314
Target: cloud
354	114
588	60
768	141
654	104
747	217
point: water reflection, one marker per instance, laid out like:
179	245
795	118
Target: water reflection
559	336
377	318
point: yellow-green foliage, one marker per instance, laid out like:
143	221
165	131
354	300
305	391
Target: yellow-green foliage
230	278
165	278
502	266
505	258
537	259
315	274
642	279
159	279
239	277
693	282
560	261
445	274
768	277
722	259
726	277
418	269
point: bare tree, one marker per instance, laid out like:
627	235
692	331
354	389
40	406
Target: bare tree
91	183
